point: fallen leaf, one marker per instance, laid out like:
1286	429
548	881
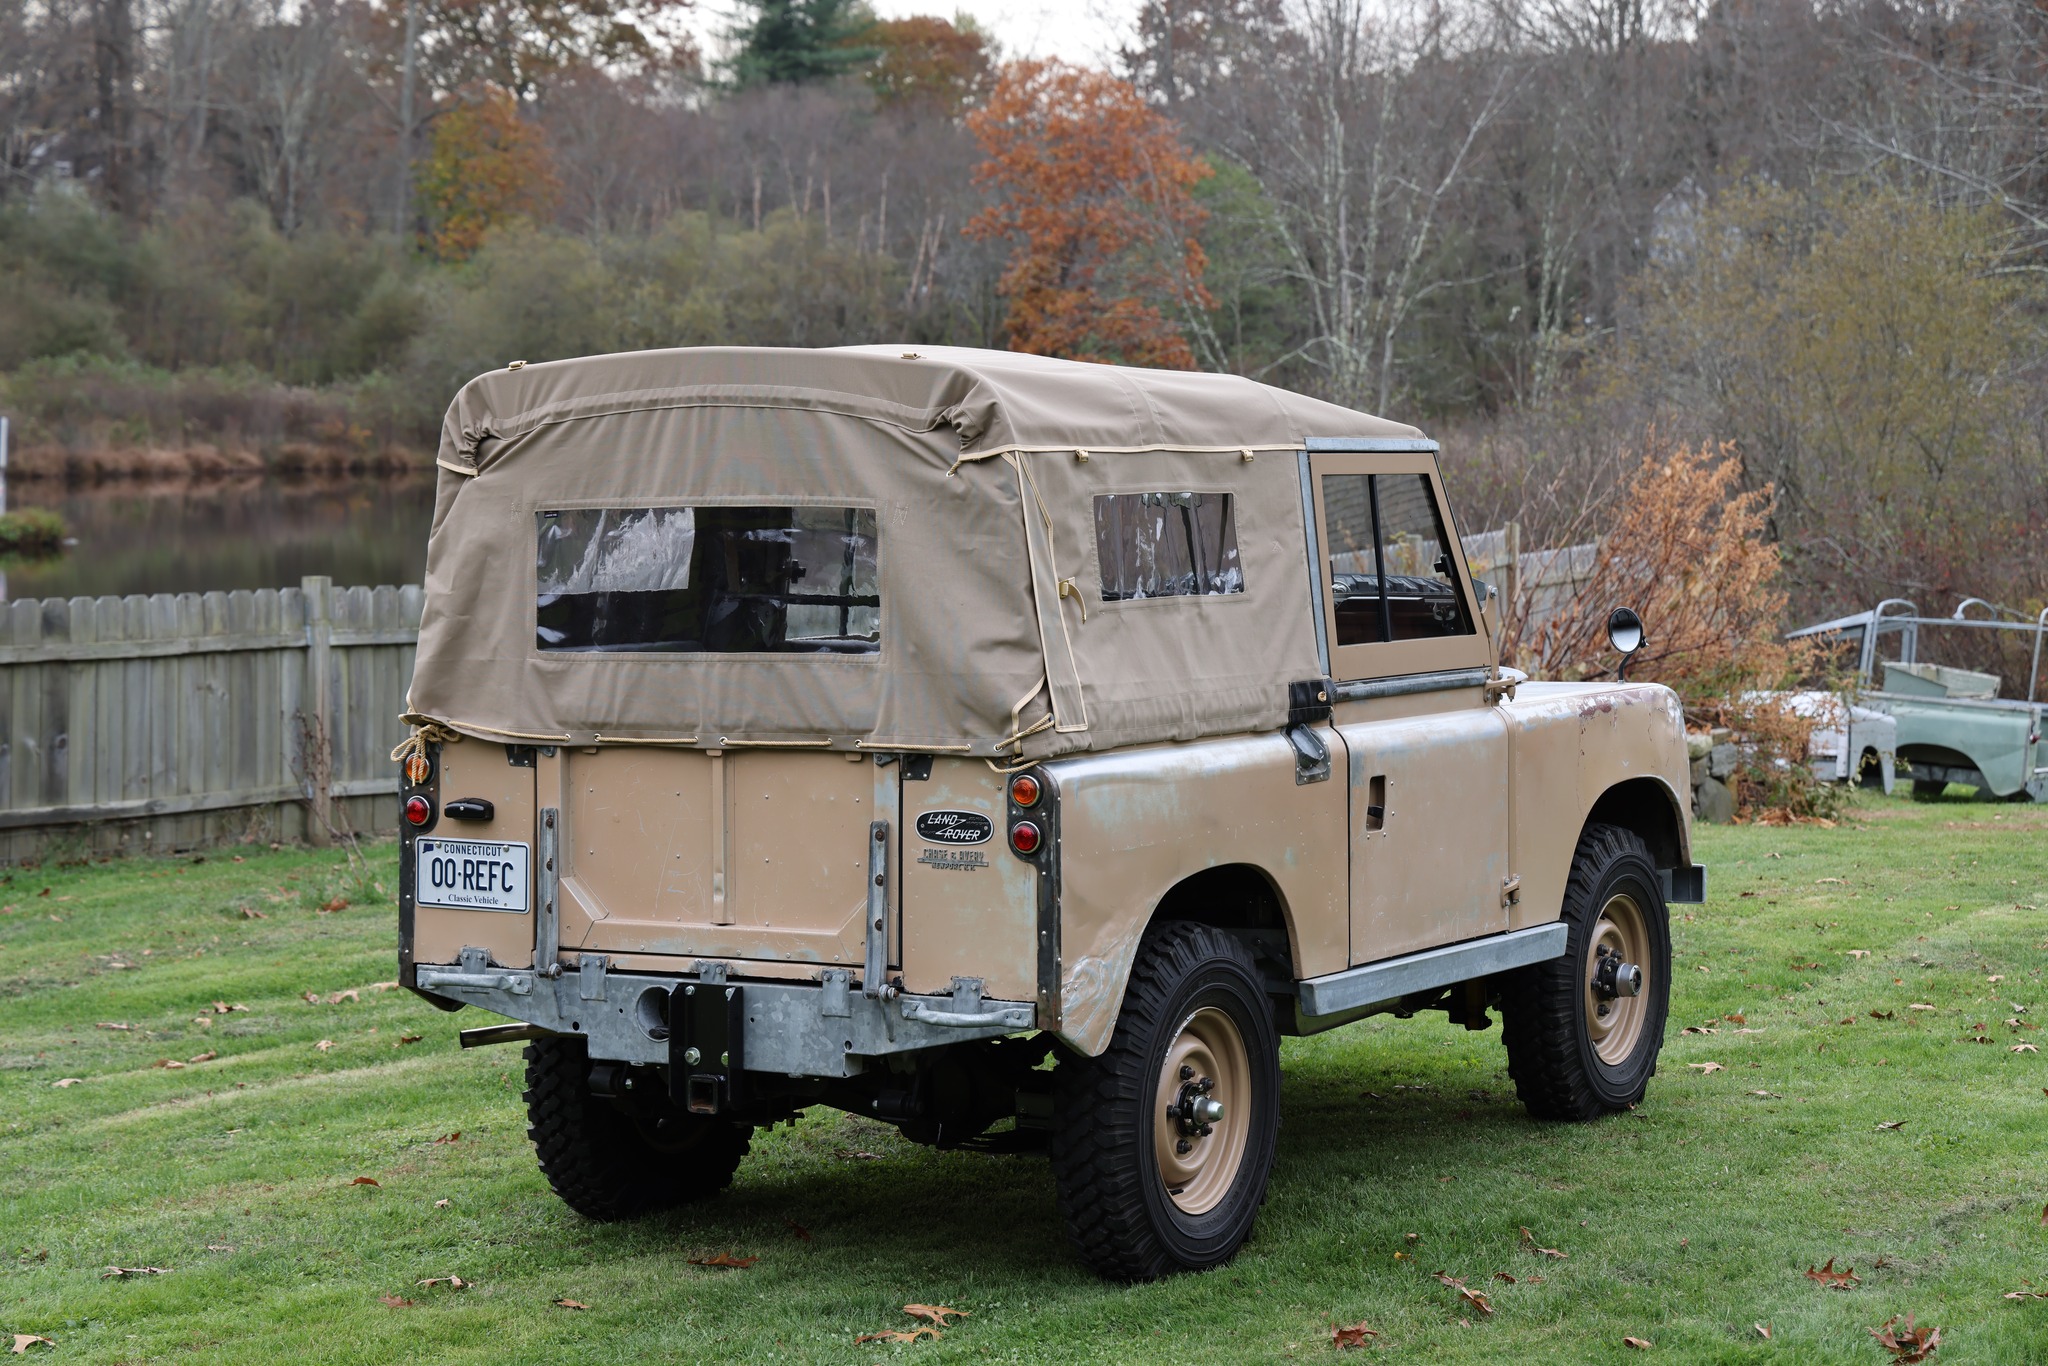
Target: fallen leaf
404	1039
799	1230
1859	953
1353	1335
207	1056
122	1273
1529	1242
1504	1276
1763	1330
111	1024
223	1008
1471	1297
364	1181
67	1081
1706	1067
24	1341
1767	1095
1996	977
2026	1048
855	1155
1887	1125
452	1282
396	1302
251	913
724	1259
338	904
1831	1278
1907	1345
1881	1014
440	1204
455	1137
311	998
895	1335
1805	967
324	1045
349	995
1644	1344
1737	1018
1918	1005
1699	1029
937	1313
570	1304
2026	1295
171	1064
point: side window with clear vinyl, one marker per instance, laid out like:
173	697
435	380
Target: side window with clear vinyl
1166	545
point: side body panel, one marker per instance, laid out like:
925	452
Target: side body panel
478	768
1995	736
1136	822
1429	820
1570	743
968	908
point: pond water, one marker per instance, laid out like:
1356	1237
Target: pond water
198	536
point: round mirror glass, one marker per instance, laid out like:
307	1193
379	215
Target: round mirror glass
1625	630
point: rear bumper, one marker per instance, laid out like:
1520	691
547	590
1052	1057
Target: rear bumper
796	1029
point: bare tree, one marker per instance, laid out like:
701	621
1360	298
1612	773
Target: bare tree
1361	141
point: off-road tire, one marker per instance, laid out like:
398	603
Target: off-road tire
1188	982
1547	1018
609	1165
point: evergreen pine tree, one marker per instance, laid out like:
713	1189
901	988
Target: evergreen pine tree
791	42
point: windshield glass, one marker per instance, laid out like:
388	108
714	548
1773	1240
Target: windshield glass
708	579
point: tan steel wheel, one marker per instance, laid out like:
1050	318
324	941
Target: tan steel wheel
1200	1151
1615	1021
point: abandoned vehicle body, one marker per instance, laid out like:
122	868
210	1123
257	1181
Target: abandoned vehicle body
1005	748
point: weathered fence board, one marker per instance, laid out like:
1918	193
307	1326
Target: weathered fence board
170	721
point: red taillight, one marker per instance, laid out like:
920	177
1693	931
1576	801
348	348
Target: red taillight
418	810
1024	837
1024	790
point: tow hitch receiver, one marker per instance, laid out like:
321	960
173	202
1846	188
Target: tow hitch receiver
707	1025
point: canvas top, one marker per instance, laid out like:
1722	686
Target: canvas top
887	547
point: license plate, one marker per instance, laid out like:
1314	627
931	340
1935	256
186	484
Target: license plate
473	875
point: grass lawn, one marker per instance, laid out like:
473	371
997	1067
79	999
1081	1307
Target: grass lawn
1843	977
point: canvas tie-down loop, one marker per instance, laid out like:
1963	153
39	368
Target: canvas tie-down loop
425	732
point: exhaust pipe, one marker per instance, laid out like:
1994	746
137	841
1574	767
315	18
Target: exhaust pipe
510	1033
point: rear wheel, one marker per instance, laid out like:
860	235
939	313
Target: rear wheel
609	1162
1163	1145
1583	1030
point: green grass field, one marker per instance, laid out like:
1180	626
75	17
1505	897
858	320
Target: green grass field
1686	1223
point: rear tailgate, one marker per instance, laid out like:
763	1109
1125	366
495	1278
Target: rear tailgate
739	854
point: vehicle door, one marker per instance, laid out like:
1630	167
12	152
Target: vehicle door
1428	746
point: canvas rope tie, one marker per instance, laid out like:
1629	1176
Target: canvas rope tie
414	746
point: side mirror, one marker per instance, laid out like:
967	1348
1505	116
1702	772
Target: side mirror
1624	633
1339	591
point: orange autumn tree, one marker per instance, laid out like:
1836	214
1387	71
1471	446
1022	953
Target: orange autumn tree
488	168
1093	184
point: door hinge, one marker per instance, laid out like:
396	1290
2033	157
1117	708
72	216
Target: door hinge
1511	891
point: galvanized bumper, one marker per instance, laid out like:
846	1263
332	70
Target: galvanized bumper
797	1029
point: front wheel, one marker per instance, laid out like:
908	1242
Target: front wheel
1162	1146
1583	1030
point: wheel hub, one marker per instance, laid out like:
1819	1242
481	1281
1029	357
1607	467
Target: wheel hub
1616	980
1204	1107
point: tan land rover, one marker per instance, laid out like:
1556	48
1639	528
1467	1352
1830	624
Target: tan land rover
1008	749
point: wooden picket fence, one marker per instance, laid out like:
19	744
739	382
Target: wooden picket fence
181	720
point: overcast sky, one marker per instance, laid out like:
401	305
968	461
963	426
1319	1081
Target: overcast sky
1074	30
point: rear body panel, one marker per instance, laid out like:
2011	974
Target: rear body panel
480	769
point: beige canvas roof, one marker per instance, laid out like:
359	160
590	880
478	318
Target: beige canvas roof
981	468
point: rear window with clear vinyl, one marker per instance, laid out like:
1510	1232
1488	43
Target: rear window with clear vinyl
708	580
